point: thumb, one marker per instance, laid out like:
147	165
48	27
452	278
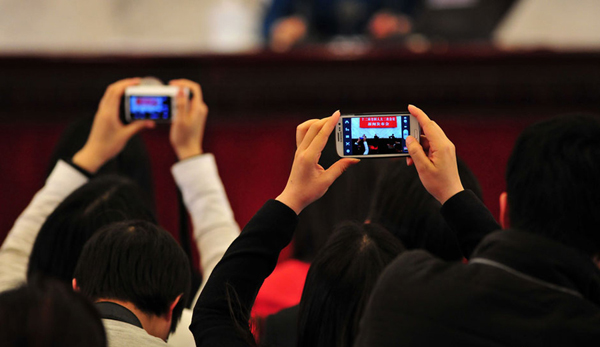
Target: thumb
419	158
338	168
137	126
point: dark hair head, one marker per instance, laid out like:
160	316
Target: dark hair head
137	262
552	181
101	201
48	314
340	281
404	207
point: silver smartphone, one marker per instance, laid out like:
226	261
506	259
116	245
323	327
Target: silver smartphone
375	135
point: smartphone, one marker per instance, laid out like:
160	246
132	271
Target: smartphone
375	135
155	103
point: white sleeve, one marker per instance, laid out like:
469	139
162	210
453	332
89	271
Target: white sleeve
15	251
206	201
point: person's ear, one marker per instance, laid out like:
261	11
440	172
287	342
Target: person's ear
74	284
596	260
172	306
504	217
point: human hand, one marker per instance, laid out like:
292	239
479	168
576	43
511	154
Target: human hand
286	32
108	135
435	159
187	129
385	24
308	180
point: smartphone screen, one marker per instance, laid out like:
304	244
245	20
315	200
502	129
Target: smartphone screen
375	135
142	107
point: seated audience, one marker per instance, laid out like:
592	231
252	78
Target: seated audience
288	22
46	314
339	280
398	201
283	288
535	284
62	223
138	276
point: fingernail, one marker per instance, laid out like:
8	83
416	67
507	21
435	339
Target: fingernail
410	140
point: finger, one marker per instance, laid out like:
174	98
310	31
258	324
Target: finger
195	89
322	137
114	92
181	102
312	132
419	158
338	168
430	128
409	161
302	129
421	116
136	127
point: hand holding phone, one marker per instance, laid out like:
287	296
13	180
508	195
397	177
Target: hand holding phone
435	160
308	181
187	129
375	135
108	135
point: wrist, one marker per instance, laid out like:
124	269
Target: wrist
185	152
442	198
86	159
288	200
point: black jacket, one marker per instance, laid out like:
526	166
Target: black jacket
519	289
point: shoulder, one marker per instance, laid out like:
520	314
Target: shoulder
415	270
121	334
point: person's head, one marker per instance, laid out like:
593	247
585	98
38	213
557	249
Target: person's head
101	201
139	263
404	207
48	313
340	281
552	182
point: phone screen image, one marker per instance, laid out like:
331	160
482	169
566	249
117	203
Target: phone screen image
375	135
151	107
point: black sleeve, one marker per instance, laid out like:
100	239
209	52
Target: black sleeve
470	219
83	171
239	275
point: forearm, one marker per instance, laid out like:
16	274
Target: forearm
15	251
469	218
240	274
206	201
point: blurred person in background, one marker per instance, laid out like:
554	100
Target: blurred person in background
288	22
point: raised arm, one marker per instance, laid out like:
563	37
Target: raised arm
107	138
435	160
198	179
222	312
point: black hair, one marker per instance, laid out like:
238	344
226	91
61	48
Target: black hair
48	313
404	207
137	262
552	181
340	281
101	201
